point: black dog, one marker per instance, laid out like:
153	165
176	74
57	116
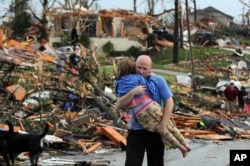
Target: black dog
14	144
4	145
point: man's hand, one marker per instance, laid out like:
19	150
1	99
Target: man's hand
138	90
161	129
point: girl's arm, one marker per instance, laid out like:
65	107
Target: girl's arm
124	100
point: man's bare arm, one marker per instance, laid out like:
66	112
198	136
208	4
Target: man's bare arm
168	109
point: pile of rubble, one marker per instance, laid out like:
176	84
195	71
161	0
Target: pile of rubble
83	117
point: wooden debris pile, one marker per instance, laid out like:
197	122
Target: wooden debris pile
83	117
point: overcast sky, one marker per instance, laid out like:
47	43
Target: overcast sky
231	7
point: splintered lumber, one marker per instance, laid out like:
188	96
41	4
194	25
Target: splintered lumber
94	147
36	116
17	91
185	121
70	115
82	145
185	116
16	44
113	135
204	134
61	133
192	132
47	57
189	124
5	127
84	119
1	38
165	43
214	137
21	124
9	60
244	134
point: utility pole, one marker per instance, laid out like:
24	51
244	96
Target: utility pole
176	34
190	48
181	25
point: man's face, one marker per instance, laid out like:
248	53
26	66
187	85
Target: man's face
232	86
143	68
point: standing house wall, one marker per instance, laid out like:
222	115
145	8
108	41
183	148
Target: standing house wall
120	43
118	29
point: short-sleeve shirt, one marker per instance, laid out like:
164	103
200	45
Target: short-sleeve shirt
160	94
231	94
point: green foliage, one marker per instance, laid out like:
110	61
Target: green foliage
107	70
108	47
13	80
151	39
101	59
134	51
20	23
28	85
85	40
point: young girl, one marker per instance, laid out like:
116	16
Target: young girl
147	111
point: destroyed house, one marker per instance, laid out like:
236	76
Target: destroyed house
123	28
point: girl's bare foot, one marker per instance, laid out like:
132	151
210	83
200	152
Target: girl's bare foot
183	150
188	148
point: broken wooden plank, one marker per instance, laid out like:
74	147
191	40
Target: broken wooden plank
36	116
194	132
84	119
5	127
94	147
115	136
48	58
61	133
17	91
82	145
16	44
213	137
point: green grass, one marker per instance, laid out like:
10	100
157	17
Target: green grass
165	57
199	53
106	69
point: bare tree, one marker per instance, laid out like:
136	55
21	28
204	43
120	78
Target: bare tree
18	6
73	21
42	22
134	5
247	15
87	3
11	7
245	3
195	12
151	6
